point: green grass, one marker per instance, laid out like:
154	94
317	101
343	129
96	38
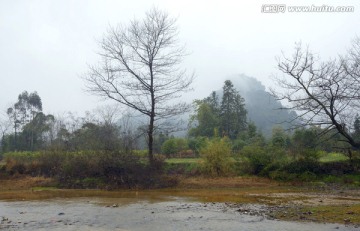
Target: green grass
183	160
333	157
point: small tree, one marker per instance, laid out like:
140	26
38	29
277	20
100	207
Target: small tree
140	69
217	157
205	119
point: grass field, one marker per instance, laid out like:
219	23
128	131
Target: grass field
329	157
333	157
183	160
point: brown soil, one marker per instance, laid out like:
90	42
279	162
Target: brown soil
226	182
24	182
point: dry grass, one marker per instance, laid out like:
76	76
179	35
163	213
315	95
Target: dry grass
24	182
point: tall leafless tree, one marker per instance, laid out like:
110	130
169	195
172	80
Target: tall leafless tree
5	126
325	94
140	68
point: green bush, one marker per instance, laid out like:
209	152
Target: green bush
174	146
169	147
141	153
238	144
308	176
196	144
216	158
257	157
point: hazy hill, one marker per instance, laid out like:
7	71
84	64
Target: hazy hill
263	109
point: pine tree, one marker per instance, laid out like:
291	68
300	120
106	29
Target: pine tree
232	111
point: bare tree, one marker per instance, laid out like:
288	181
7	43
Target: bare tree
108	114
140	68
325	94
5	126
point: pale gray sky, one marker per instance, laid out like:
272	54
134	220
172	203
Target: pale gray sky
45	45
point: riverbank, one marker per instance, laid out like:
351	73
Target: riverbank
125	214
273	200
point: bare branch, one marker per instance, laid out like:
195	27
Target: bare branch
140	68
324	94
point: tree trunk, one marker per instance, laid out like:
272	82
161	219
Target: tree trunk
151	140
15	137
152	117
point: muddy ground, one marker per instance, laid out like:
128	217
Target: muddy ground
173	214
197	204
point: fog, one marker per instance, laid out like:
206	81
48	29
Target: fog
47	45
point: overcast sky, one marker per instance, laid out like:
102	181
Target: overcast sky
45	45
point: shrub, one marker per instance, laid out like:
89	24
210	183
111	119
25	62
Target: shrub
141	153
118	169
196	144
303	165
217	159
174	146
20	162
257	157
307	176
311	154
238	144
169	147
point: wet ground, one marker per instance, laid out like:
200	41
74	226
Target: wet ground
147	211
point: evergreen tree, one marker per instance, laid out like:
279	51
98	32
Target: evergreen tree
206	119
357	128
232	111
29	123
213	102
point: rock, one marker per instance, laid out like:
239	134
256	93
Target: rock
115	205
61	214
347	220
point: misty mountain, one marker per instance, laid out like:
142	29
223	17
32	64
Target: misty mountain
263	108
